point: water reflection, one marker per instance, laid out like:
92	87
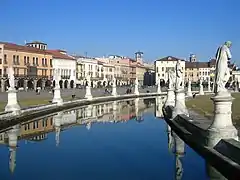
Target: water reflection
128	145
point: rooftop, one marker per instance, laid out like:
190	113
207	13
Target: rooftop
36	42
16	47
59	55
170	58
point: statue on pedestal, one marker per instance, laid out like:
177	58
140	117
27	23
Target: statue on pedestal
56	78
88	79
114	81
171	79
222	72
11	78
179	75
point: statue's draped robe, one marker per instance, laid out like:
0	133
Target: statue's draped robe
222	73
179	82
11	77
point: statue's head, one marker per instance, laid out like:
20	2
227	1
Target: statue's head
228	44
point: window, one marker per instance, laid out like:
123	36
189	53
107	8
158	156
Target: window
51	62
27	127
35	124
0	61
28	61
162	68
0	72
4	71
17	60
36	61
5	59
43	62
14	59
25	60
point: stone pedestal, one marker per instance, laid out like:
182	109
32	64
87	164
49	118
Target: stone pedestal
57	96
180	107
222	110
189	90
12	104
209	87
114	90
88	94
136	92
201	92
222	126
159	88
170	101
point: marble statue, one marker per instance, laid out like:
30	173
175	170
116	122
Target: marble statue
11	77
88	80
179	75
222	72
56	77
114	81
136	82
171	79
200	81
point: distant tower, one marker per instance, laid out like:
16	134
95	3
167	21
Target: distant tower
139	57
193	58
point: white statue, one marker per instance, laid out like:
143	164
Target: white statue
222	72
171	79
114	81
200	81
56	77
136	82
88	80
179	75
11	77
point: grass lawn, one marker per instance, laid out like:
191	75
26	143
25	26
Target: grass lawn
204	106
32	102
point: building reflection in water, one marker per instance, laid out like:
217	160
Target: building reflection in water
37	130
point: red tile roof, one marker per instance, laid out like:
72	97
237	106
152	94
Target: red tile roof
208	64
57	54
16	47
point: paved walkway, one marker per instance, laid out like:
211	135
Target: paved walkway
80	93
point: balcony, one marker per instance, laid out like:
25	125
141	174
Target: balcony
65	77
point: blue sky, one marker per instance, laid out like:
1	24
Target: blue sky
100	27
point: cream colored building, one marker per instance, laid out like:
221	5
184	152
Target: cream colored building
195	70
163	65
89	66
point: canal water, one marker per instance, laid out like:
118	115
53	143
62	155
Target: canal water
117	140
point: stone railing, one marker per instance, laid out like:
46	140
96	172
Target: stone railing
215	141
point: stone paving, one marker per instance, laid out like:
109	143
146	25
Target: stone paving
80	93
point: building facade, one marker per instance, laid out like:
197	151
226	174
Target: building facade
65	66
92	67
163	65
32	66
195	70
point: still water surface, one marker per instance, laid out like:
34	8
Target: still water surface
117	140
